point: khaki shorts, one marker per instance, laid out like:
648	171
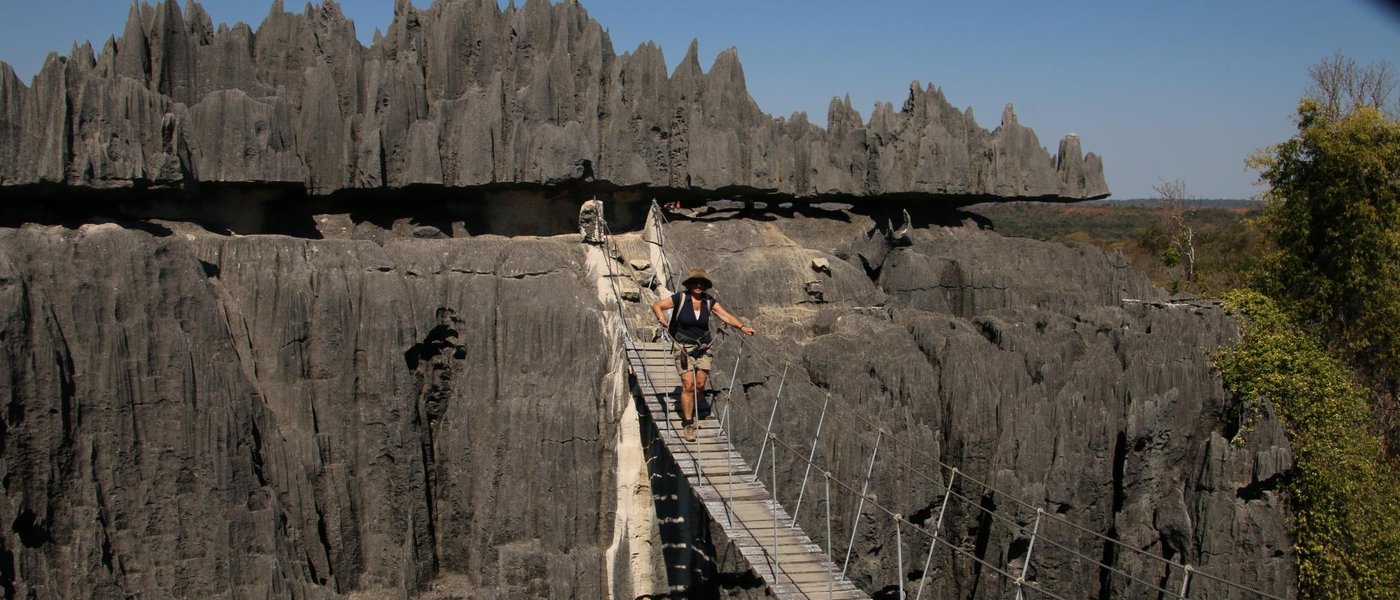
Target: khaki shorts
686	362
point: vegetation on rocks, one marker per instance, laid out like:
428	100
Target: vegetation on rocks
1345	493
1332	264
1333	217
1314	275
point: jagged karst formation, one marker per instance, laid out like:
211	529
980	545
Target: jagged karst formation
465	94
194	414
429	400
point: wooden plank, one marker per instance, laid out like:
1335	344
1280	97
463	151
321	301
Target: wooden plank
715	463
724	470
790	545
724	483
813	582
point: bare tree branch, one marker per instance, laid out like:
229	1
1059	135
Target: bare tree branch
1176	200
1341	86
1328	80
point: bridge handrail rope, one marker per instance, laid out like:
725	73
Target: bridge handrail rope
610	244
1009	521
843	405
937	528
1188	570
862	495
827	475
775	565
760	356
830	476
948	492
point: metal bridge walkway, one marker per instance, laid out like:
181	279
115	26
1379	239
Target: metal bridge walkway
777	551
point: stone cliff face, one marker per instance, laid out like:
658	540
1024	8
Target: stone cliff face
192	414
465	94
1058	375
267	417
398	401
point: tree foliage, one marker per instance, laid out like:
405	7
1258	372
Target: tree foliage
1333	217
1345	493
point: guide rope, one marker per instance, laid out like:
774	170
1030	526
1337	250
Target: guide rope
1037	536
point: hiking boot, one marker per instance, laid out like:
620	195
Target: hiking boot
690	432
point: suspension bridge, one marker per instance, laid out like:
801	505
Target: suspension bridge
741	497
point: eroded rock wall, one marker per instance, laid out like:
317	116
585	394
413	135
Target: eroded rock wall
465	94
191	414
266	416
1056	374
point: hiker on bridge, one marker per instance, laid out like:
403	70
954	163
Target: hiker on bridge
689	326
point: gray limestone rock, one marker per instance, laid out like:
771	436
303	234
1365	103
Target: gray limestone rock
590	222
197	415
463	93
240	417
1019	363
188	414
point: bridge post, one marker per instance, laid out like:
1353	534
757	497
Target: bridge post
855	523
729	396
810	457
769	431
1026	566
1185	582
729	481
947	493
830	566
777	561
899	553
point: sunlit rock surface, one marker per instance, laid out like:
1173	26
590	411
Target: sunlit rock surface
465	94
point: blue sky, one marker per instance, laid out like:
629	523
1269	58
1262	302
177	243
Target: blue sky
1162	90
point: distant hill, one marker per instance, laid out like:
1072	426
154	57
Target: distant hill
1244	203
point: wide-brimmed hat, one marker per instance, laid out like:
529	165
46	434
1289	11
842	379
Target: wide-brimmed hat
697	276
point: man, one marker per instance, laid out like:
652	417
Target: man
690	328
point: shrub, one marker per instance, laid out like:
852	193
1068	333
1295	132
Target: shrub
1345	492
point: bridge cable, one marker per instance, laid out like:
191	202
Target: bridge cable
1040	511
863	494
778	571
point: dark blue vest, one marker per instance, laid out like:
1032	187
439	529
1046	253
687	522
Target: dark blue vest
687	326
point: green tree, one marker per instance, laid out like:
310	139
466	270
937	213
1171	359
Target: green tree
1333	216
1345	494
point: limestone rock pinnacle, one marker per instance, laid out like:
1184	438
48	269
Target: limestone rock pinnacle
466	94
